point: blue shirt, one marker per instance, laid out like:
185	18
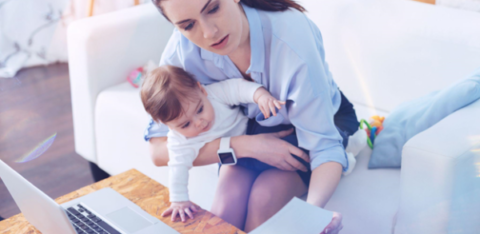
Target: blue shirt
288	59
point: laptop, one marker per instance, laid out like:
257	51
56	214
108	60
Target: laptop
102	212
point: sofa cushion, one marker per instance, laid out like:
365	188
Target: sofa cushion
119	124
384	53
440	184
367	199
415	116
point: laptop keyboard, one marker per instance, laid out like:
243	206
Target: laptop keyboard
85	222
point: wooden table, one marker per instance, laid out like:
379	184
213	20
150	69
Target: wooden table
143	191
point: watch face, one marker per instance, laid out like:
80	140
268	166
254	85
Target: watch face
226	158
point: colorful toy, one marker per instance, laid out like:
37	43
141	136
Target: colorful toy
373	128
135	78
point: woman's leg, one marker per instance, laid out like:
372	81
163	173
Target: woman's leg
231	197
272	190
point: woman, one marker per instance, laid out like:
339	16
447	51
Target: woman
275	44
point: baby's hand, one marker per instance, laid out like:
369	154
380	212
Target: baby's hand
181	208
267	103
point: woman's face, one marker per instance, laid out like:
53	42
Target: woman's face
214	25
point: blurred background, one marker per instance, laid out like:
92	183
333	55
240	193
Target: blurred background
35	97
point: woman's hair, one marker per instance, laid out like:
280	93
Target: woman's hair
163	91
273	5
266	5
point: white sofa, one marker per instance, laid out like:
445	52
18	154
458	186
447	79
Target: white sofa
381	53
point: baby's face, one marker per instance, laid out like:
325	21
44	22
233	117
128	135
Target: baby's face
198	116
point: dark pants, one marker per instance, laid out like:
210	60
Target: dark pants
345	120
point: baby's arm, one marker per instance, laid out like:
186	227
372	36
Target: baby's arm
178	185
233	91
181	158
238	90
266	102
181	208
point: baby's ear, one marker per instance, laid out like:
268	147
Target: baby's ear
202	88
158	121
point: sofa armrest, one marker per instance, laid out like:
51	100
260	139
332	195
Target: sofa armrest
102	51
440	188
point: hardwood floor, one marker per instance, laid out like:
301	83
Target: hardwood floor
33	106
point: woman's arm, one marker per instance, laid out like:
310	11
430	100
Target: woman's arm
159	151
324	181
268	148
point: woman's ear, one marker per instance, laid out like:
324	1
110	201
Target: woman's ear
202	89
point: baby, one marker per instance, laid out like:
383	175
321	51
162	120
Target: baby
196	115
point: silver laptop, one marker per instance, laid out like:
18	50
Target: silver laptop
103	211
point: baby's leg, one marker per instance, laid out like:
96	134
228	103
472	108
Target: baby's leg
231	197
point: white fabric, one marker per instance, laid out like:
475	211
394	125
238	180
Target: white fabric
356	143
385	52
29	34
447	160
33	32
228	122
351	163
472	5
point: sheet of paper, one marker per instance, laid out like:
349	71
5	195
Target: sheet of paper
296	217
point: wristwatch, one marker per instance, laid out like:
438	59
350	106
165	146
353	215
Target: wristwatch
225	153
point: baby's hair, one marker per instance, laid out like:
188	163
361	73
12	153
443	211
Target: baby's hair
163	91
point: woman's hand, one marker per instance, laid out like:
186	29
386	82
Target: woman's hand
335	225
181	208
270	149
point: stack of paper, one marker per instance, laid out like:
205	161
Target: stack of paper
296	217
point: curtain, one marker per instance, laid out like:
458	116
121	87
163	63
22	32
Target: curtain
33	32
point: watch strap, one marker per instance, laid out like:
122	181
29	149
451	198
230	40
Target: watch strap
224	144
